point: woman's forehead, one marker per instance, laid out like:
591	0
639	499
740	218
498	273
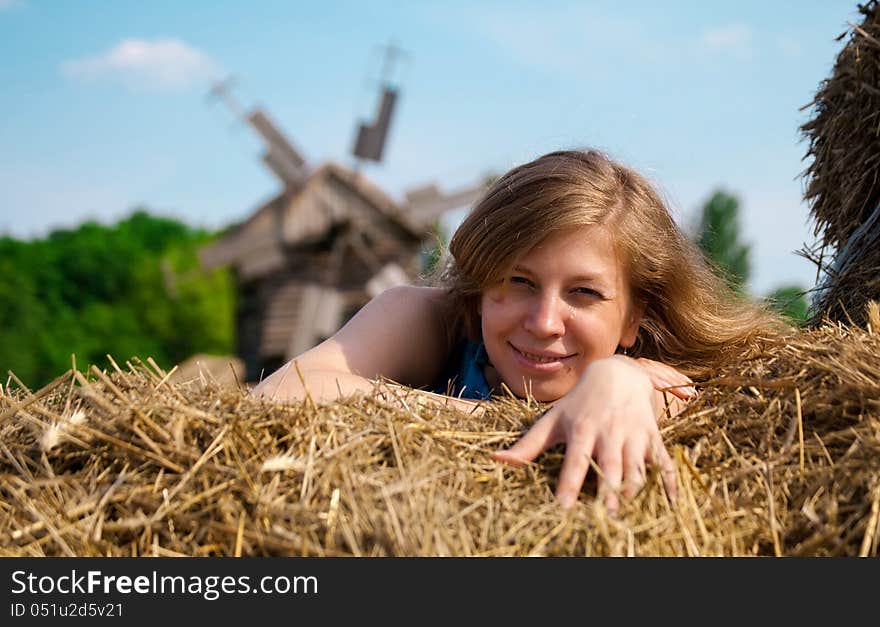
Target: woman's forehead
586	252
592	247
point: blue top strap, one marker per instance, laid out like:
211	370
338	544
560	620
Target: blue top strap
463	376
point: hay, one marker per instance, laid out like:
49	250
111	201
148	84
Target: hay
842	180
779	455
225	370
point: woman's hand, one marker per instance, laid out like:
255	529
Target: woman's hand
668	379
609	416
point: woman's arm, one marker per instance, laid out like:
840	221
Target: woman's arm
398	336
610	416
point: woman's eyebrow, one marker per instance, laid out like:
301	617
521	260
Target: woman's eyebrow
586	277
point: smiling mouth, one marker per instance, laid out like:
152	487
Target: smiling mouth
541	359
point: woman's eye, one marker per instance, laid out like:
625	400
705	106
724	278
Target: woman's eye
588	291
520	280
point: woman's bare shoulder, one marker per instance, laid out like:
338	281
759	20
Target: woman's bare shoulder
419	308
408	293
400	335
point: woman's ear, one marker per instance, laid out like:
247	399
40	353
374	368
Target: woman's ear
633	322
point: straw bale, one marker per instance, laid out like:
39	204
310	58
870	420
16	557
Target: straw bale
842	184
779	455
225	370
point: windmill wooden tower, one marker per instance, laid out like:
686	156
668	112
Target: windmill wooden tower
330	240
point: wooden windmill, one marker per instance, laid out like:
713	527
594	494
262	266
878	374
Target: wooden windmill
329	241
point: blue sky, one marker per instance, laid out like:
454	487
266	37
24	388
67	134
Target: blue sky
104	107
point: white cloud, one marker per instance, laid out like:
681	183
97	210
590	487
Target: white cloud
159	64
734	37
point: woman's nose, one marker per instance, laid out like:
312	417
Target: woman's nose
546	316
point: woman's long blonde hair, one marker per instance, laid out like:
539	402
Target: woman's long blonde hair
691	320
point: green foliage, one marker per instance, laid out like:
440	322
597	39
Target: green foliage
791	301
132	289
719	236
432	253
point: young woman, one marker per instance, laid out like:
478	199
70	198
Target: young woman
570	282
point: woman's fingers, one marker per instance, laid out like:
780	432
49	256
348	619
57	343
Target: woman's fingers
682	391
538	439
681	388
660	457
621	467
610	460
664	377
624	472
633	469
575	466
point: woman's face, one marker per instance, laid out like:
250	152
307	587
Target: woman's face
561	306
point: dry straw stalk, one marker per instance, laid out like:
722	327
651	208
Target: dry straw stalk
779	455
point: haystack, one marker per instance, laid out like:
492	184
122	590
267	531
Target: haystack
779	455
843	188
224	370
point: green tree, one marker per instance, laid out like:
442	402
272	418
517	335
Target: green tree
718	235
791	302
132	289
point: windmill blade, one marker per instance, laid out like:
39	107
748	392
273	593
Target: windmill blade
291	174
222	90
425	204
370	139
281	157
370	142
